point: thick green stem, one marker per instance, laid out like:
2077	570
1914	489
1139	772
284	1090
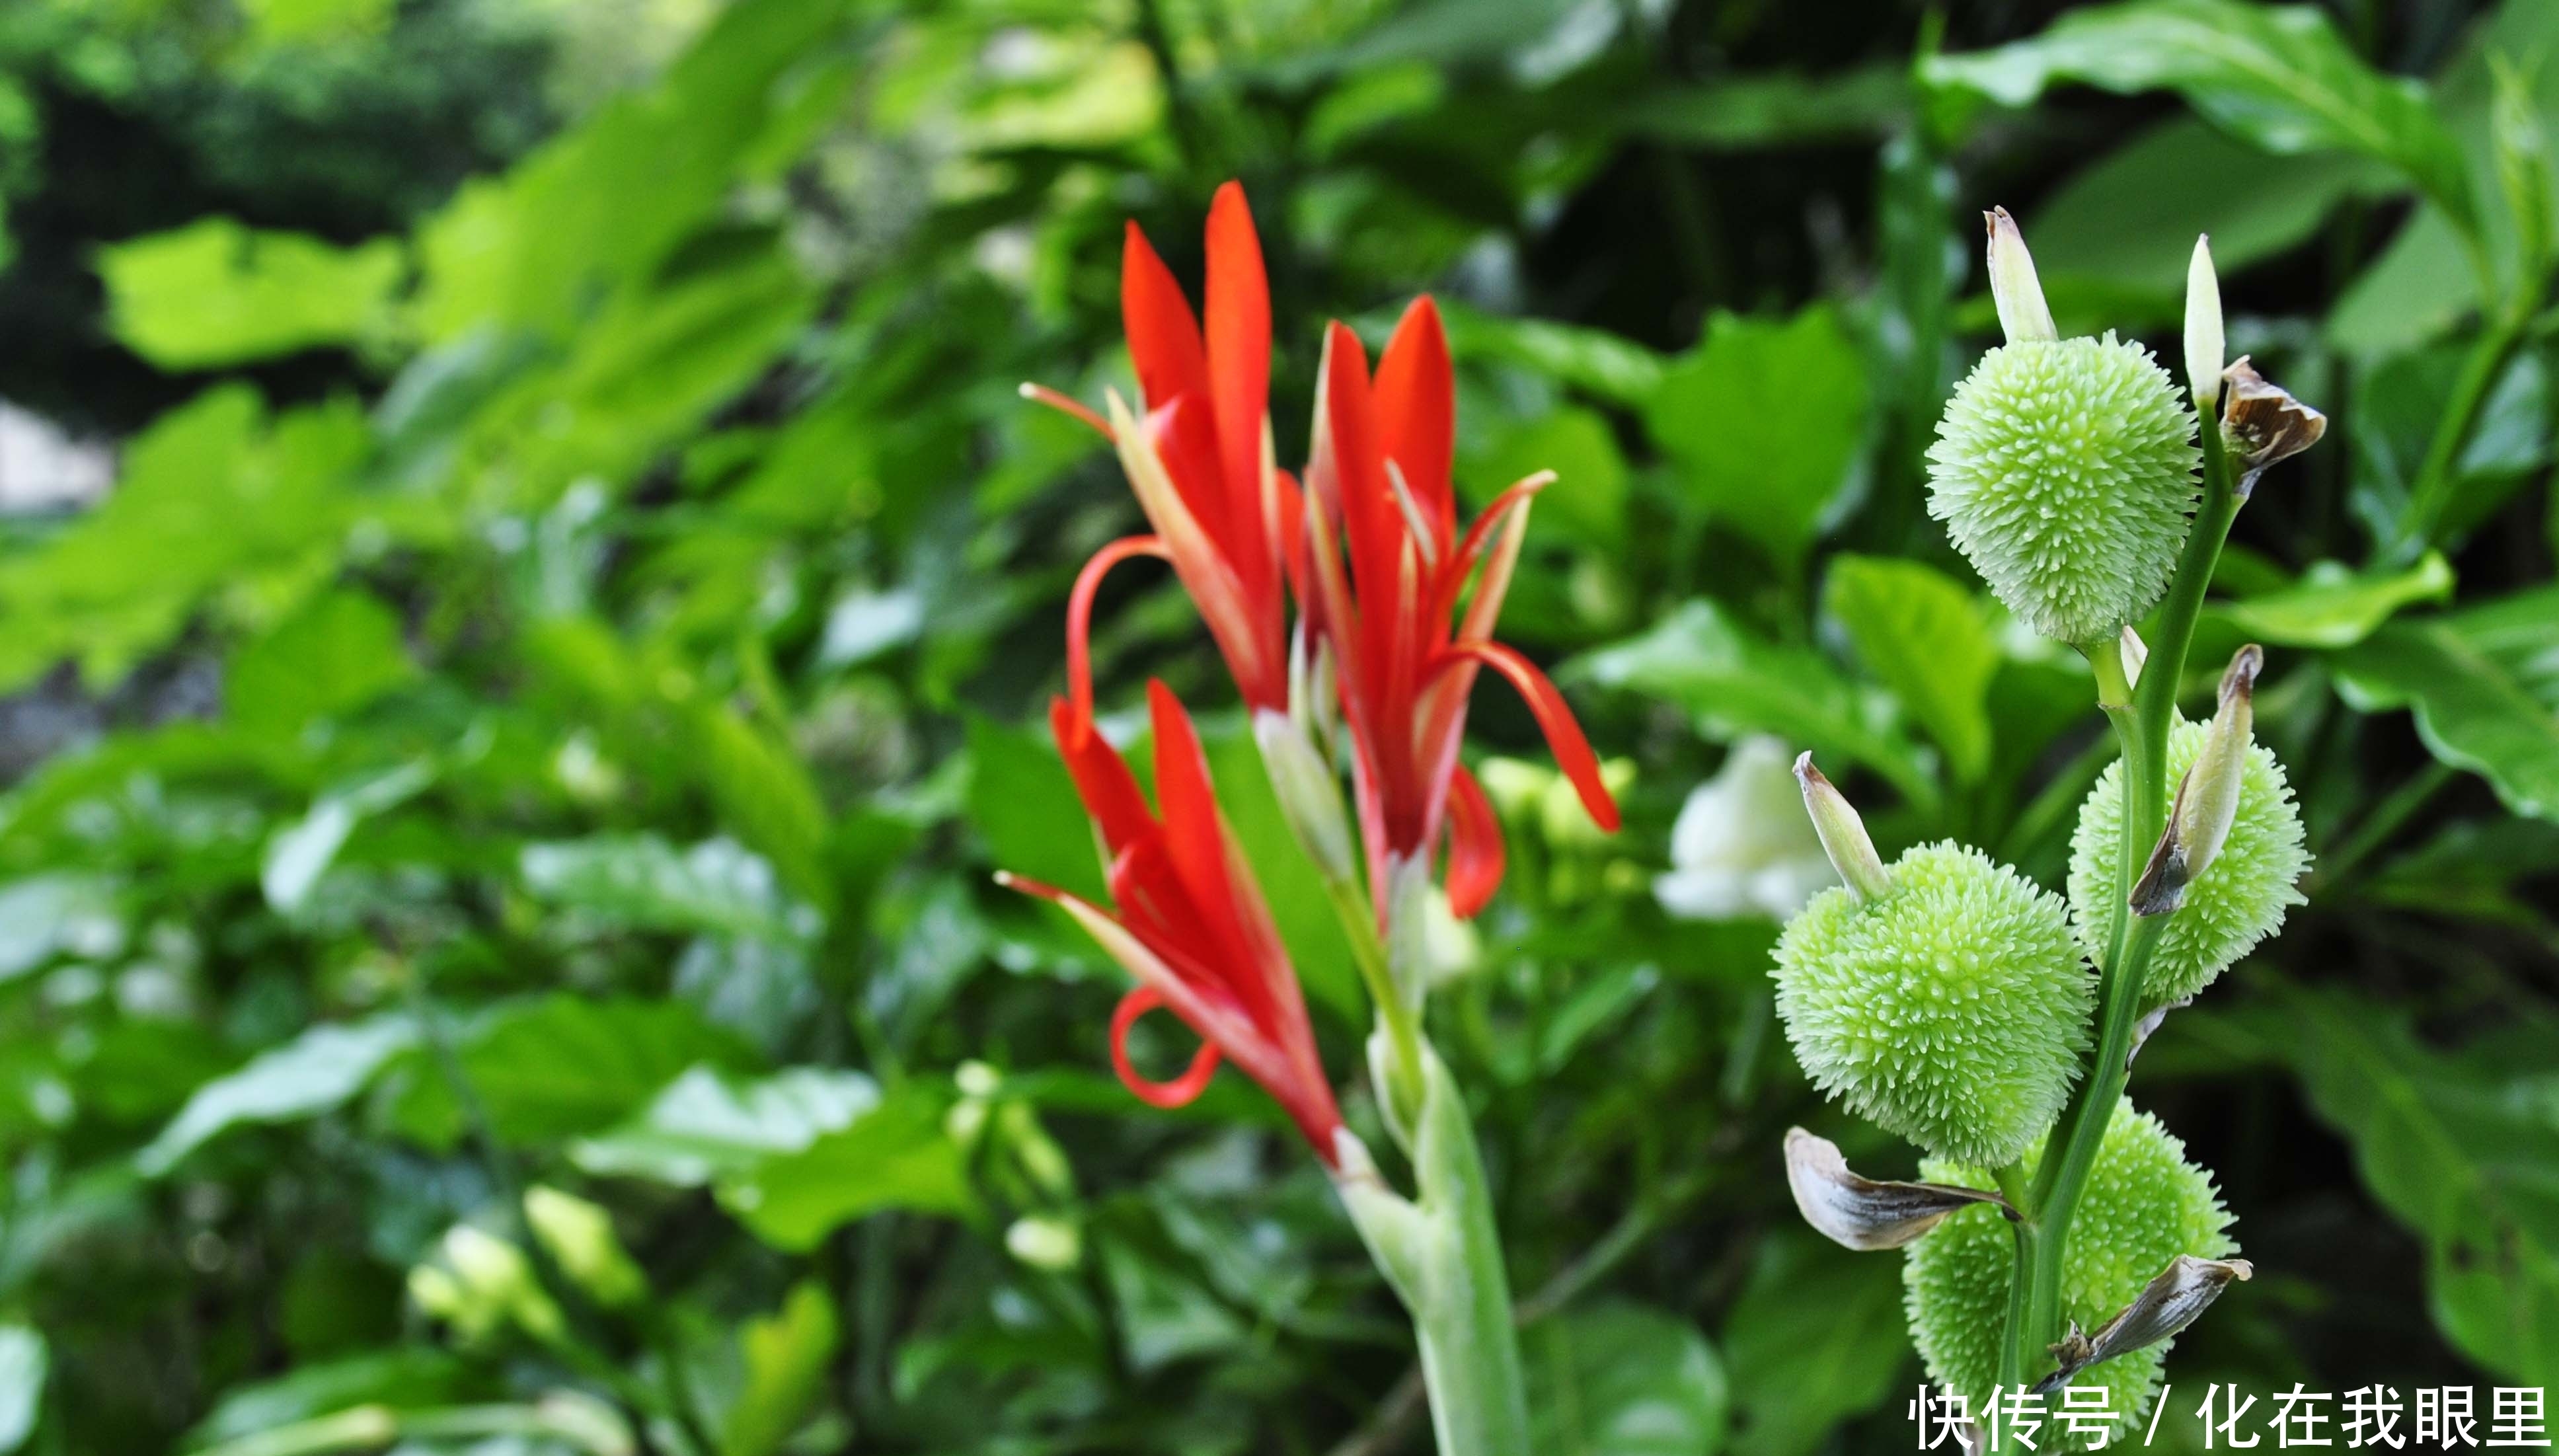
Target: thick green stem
1403	1027
2143	715
1444	1256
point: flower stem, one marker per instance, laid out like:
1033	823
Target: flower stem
1402	1024
2143	714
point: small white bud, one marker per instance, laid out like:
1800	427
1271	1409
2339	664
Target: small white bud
2204	342
2022	313
1044	1243
1844	836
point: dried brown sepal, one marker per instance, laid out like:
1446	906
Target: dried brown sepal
2150	1023
2176	1298
1862	1213
2207	796
2263	423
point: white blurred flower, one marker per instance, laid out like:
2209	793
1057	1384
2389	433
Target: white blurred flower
1742	844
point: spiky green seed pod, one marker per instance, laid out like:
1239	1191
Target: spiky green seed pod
1949	1008
2240	898
2064	469
2144	1205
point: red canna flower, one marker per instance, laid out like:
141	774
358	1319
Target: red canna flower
1192	926
1406	654
1200	459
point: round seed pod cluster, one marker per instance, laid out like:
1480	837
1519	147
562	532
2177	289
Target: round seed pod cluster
2239	900
2064	469
1949	1009
2142	1205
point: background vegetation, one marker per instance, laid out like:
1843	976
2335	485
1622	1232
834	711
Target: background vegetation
566	645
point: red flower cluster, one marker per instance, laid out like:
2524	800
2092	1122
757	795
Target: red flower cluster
1191	924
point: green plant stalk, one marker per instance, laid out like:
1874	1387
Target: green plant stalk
1403	1028
2142	716
2432	492
1442	1253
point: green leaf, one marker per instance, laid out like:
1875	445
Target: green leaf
2483	687
2333	606
2130	218
1816	1337
315	1073
706	1125
2460	1155
302	851
895	1156
1623	1380
1748	112
2279	77
1701	660
549	1068
1025	806
213	503
786	1358
1926	638
402	1378
1588	502
1602	365
765	795
48	914
215	293
714	888
1764	420
340	652
24	1360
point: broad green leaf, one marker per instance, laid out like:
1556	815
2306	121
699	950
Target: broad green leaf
2335	607
1024	804
1764	420
549	1068
2280	77
1588	502
215	502
1598	363
1816	1337
216	293
1623	1380
341	652
715	887
47	915
765	795
25	1358
2484	684
1748	112
2397	405
315	1073
2460	1156
1926	638
706	1125
895	1156
2130	217
403	1378
1701	660
278	22
786	1358
302	851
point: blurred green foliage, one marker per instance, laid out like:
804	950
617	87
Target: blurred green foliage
567	644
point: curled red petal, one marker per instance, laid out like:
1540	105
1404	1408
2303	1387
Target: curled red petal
1102	777
1475	853
1079	614
1554	717
1163	335
1181	1091
1195	835
1417	412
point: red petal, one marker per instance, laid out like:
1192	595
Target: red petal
1418	412
1563	735
1182	1091
1102	777
1079	614
1475	854
1238	365
1163	337
1196	837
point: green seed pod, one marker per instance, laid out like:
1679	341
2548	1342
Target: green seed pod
2144	1205
2064	469
2236	901
1949	1006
